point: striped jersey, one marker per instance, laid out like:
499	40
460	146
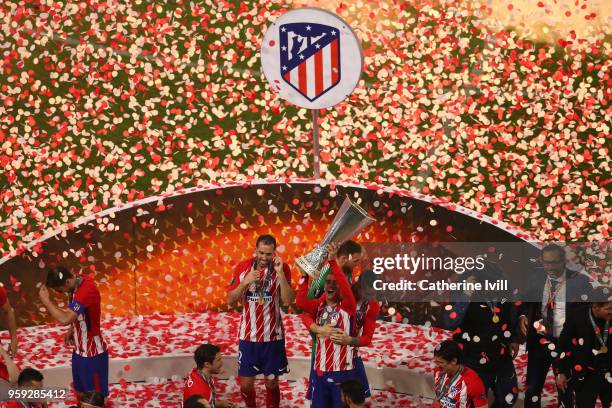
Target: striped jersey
85	302
261	311
464	390
330	356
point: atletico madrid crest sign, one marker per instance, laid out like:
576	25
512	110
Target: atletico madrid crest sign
312	58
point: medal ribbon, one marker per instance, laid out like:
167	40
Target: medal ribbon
603	340
211	384
265	282
443	388
493	306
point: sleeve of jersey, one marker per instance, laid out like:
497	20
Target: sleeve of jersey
369	325
83	298
348	299
310	306
3	297
476	392
307	319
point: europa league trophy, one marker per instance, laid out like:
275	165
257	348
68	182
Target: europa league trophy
349	221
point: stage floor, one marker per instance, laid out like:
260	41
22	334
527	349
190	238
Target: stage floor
401	346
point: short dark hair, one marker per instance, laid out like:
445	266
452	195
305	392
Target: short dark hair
206	353
94	398
27	375
353	389
555	248
266	239
601	295
449	350
57	277
193	402
348	248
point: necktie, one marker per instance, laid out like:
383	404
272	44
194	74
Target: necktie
550	308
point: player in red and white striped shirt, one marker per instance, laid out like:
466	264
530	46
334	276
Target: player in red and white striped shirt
90	354
334	363
455	385
261	283
365	324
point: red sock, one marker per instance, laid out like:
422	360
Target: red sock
249	397
272	397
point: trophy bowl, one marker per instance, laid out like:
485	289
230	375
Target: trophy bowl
349	221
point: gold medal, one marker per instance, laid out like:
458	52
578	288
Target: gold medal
603	350
495	318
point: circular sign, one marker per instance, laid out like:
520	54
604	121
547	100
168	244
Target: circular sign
311	58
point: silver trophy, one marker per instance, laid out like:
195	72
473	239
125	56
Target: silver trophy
349	221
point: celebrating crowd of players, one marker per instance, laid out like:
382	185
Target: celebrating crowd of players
340	311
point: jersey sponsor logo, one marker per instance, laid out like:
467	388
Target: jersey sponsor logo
251	297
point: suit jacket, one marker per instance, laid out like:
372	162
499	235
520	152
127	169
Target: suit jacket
577	286
474	319
579	359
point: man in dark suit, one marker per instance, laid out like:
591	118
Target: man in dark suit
559	291
586	347
486	329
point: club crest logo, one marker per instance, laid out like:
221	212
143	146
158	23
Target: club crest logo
310	58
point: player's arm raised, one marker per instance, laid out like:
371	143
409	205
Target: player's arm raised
61	315
286	291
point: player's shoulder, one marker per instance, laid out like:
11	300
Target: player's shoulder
87	285
193	374
244	265
87	281
470	376
196	380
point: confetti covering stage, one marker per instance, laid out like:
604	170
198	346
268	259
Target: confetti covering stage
395	346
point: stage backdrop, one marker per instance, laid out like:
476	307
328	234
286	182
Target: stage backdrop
177	254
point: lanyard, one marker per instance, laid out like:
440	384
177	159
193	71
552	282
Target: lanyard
552	296
211	384
262	284
603	340
443	388
494	309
